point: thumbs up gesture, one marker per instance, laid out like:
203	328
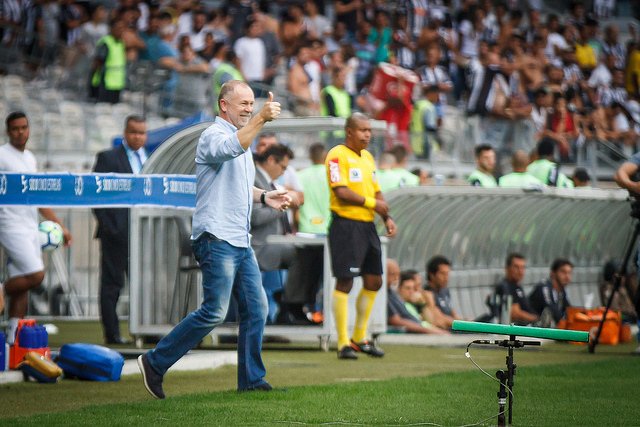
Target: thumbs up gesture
270	109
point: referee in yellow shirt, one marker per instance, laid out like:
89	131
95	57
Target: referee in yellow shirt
353	241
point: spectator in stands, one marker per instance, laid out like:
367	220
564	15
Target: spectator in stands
252	54
217	25
572	74
397	110
510	286
271	44
70	19
556	42
151	36
549	298
365	51
482	176
113	225
270	165
19	236
585	54
380	35
581	178
226	71
316	69
108	71
354	201
193	81
545	169
519	177
238	13
402	44
602	74
335	101
616	92
440	313
90	33
540	111
471	32
209	50
291	32
486	81
617	128
349	13
196	30
167	60
531	66
299	82
433	74
561	127
317	25
425	122
612	45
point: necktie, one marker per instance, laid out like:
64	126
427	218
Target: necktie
139	158
286	227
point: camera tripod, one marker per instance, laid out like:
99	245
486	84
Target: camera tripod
617	281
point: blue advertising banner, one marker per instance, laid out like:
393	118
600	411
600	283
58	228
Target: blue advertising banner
98	190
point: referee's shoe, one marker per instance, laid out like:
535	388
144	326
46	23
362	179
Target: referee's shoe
367	347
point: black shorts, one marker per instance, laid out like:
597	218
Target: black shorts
355	248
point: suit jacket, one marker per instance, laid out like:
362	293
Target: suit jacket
266	221
113	223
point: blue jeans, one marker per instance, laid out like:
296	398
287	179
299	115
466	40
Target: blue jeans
226	270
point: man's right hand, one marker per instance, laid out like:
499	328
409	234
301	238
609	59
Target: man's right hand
271	109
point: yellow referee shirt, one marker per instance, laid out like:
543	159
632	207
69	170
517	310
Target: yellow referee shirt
345	168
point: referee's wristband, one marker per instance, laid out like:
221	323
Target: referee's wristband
370	202
263	196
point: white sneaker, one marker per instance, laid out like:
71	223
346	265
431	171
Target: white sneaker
636	352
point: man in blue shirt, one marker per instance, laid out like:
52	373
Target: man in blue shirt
221	243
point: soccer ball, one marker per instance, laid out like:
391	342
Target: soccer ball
51	236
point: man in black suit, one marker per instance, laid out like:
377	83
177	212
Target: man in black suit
113	225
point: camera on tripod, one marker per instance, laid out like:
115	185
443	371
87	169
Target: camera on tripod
635	204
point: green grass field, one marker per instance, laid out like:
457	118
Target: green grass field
556	384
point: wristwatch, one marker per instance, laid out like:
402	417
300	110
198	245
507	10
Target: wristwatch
263	196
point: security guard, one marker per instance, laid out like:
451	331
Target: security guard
109	66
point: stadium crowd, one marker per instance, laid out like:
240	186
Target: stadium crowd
570	78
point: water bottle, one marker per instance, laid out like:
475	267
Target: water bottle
44	337
27	337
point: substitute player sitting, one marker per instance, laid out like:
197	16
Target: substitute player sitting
353	241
